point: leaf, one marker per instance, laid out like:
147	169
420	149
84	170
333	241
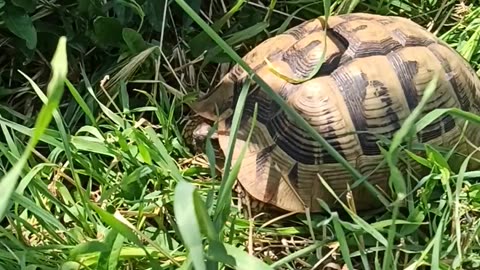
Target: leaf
416	217
436	157
108	31
229	176
69	265
218	253
134	40
21	25
437	242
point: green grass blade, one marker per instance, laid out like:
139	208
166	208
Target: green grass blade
81	102
227	183
187	222
49	136
54	93
10	141
41	213
437	242
109	113
342	241
222	213
456	211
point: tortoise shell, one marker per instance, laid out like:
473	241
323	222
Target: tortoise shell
375	71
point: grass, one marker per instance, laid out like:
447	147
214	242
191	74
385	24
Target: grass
111	184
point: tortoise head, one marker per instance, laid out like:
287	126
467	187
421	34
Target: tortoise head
214	106
196	132
217	103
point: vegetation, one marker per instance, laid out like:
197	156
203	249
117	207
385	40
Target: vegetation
96	174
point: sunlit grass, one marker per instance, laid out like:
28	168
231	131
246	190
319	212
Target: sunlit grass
111	183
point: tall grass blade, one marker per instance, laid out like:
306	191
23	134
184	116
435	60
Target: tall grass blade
340	234
227	184
81	102
54	92
225	197
456	211
187	222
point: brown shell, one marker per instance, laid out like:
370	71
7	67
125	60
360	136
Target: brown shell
374	75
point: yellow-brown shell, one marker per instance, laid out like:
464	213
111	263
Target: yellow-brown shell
375	72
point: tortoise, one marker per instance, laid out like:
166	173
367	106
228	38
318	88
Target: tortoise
375	71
